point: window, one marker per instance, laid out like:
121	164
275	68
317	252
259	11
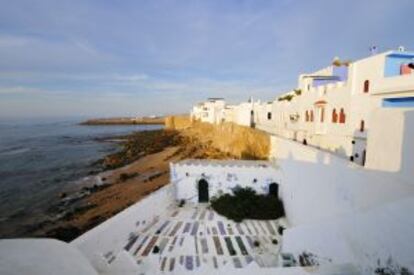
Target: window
269	115
306	116
342	116
322	114
334	116
362	126
311	115
366	86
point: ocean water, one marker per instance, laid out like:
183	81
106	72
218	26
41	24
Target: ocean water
39	158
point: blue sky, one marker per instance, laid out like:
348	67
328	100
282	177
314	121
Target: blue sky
137	57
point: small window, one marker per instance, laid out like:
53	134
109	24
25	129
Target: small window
311	115
254	180
366	86
334	116
322	114
362	126
342	116
306	116
187	174
269	115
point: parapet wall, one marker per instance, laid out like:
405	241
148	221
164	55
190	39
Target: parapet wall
113	234
328	198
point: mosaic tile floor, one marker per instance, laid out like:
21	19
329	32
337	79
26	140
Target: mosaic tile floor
194	235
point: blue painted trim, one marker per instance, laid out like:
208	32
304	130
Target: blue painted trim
398	102
402	55
394	61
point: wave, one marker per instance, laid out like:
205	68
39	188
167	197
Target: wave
14	151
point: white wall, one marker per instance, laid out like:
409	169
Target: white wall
242	113
222	178
328	198
40	257
391	143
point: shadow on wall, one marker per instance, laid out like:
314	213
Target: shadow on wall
407	155
339	186
364	205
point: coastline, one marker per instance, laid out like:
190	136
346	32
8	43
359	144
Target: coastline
125	121
139	168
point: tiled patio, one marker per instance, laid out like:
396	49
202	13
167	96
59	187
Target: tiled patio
194	236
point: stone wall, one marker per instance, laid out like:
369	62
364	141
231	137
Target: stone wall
178	122
240	141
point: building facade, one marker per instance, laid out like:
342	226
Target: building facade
211	111
332	108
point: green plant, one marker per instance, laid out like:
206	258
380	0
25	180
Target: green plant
244	203
298	92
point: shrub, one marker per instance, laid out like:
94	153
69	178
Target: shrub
244	203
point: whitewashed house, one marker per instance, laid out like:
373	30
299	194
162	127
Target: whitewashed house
244	113
211	111
263	116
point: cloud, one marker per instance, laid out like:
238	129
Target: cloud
178	52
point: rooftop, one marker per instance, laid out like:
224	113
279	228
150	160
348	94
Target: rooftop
194	237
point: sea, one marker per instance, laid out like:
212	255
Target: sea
41	157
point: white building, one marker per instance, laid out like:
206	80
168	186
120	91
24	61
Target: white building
211	111
332	108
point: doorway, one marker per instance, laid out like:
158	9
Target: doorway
274	189
203	191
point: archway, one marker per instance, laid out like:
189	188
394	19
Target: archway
274	189
203	191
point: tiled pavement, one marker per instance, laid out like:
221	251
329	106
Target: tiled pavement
193	236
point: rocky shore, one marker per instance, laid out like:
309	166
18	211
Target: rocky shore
140	167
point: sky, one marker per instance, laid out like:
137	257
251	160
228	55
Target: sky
99	58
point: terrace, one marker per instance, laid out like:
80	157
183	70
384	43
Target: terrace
194	237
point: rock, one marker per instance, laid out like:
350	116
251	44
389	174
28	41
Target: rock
63	195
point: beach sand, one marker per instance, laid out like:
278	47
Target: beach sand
127	184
